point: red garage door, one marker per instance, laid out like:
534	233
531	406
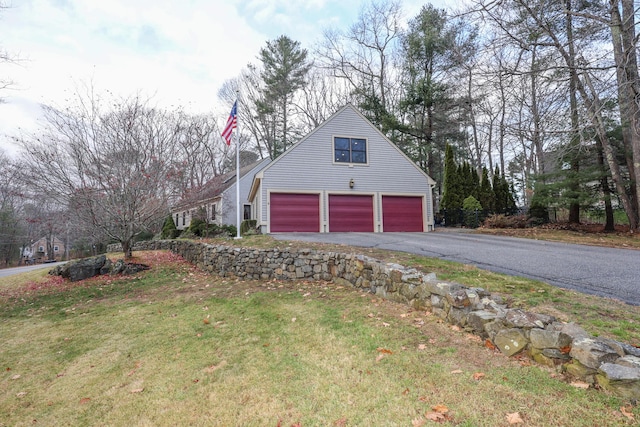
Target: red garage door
402	213
294	212
350	213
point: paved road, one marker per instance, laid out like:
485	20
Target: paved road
607	272
16	270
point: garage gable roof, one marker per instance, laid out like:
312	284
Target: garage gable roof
327	122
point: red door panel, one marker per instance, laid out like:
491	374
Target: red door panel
350	213
294	212
402	213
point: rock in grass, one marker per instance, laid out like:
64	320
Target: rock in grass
510	341
592	353
622	380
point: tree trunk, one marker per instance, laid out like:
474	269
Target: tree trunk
594	109
624	50
574	144
609	224
127	249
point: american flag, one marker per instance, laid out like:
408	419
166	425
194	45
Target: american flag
232	123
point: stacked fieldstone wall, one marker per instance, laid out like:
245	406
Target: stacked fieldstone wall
612	365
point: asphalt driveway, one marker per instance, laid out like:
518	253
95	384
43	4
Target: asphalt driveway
16	270
607	272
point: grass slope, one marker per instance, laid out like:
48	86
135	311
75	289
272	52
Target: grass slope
174	346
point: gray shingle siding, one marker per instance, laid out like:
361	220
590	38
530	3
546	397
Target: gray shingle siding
309	167
229	196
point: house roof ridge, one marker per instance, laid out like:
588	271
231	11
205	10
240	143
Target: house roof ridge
215	186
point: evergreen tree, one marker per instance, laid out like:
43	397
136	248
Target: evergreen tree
452	197
468	184
499	191
169	230
285	68
538	211
511	197
471	208
426	57
486	196
475	179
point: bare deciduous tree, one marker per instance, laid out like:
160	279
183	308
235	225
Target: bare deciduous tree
364	56
109	166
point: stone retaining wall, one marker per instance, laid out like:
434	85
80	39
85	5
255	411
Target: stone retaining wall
613	365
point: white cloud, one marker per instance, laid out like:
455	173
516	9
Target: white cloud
181	52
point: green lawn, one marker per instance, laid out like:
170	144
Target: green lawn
177	347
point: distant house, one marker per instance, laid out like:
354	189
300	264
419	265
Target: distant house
215	202
39	251
343	176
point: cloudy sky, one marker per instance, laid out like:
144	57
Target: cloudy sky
178	52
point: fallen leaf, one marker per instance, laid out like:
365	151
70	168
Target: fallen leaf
15	377
473	338
137	390
386	325
21	394
478	376
417	422
514	418
440	408
435	416
455	328
85	400
341	422
565	350
205	321
293	319
379	358
213	368
626	411
579	384
489	344
432	340
384	350
405	392
422	346
423	398
456	371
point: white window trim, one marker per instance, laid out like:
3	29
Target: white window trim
349	164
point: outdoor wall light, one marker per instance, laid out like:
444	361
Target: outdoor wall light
352	183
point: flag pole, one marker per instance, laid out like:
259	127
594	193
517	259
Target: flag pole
238	204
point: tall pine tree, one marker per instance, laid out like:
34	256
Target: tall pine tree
285	68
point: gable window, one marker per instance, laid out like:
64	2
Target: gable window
350	150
